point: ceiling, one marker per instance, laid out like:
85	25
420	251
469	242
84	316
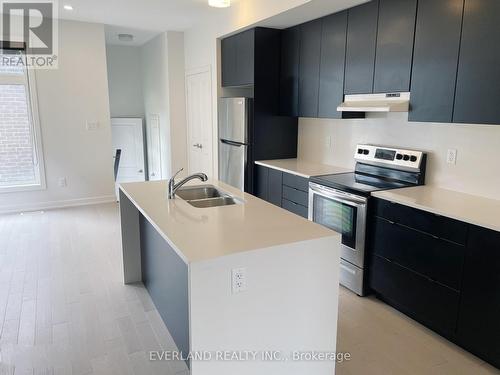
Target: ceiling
146	18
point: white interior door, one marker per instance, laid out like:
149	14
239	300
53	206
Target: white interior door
127	135
199	121
154	148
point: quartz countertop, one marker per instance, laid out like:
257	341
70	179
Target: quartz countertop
302	168
198	234
472	209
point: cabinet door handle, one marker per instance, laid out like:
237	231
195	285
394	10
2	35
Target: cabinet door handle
140	171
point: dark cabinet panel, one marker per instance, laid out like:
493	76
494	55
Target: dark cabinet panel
275	187
295	208
228	63
310	51
427	222
424	300
245	58
331	83
261	182
238	55
360	52
435	60
297	182
437	259
289	76
396	30
478	80
479	323
294	195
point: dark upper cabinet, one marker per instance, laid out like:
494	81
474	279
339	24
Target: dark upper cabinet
310	51
238	52
479	316
360	51
435	60
289	75
331	83
478	80
396	30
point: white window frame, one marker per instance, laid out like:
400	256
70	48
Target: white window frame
29	80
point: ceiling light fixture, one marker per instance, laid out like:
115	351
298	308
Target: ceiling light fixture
68	7
219	3
125	37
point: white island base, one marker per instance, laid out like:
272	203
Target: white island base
288	308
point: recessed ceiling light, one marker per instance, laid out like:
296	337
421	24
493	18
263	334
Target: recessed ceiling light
68	7
125	37
219	3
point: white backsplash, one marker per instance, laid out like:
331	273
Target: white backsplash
477	170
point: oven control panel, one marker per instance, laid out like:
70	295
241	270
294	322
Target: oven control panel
389	157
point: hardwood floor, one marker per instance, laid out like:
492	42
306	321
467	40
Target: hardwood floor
383	341
64	310
63	306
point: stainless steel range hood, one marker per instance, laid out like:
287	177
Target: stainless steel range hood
393	102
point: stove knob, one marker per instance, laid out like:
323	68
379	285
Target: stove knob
413	158
360	151
399	156
366	152
406	157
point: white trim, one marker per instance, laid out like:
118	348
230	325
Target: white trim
26	207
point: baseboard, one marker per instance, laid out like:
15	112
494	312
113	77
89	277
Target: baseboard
27	207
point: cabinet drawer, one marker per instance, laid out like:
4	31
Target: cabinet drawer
424	300
437	259
297	209
297	182
294	195
435	225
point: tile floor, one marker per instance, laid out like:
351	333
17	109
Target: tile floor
64	310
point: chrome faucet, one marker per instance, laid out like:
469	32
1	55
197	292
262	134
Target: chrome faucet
173	187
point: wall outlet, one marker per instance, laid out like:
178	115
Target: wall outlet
92	125
61	182
451	156
239	280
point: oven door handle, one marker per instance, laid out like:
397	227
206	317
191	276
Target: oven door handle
337	197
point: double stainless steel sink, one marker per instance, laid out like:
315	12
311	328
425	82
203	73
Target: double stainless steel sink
205	196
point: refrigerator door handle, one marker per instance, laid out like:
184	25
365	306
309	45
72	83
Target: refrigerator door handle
232	143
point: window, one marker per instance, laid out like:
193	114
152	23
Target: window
21	166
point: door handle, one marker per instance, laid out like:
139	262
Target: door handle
200	146
141	171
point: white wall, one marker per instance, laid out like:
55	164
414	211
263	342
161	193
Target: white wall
162	64
125	81
69	96
476	171
201	45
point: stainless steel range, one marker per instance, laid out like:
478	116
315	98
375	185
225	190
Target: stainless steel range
341	201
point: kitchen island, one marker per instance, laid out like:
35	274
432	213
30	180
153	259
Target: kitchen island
244	278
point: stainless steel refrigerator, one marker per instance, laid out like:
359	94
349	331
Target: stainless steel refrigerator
235	120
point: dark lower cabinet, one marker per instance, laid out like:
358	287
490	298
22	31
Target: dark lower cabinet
310	50
435	60
361	45
423	299
478	80
331	83
451	288
289	75
437	259
396	30
479	318
282	189
275	187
